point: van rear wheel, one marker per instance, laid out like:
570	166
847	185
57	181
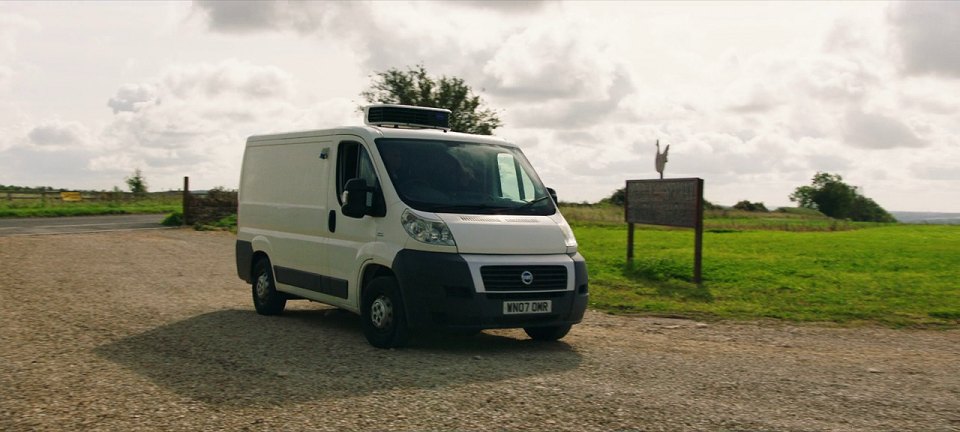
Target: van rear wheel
266	299
384	317
551	333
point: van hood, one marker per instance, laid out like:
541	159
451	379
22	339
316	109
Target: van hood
509	234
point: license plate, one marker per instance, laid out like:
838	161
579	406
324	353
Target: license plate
527	307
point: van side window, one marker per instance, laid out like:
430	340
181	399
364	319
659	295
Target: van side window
353	161
513	186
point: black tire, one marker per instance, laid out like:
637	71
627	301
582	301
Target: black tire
547	333
383	314
266	299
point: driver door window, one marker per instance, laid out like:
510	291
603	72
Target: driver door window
353	161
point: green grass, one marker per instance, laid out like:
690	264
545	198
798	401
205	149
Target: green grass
37	208
228	223
896	275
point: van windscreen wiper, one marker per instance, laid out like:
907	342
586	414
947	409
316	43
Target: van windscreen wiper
531	203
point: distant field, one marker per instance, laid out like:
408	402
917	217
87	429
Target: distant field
927	217
722	220
52	208
793	269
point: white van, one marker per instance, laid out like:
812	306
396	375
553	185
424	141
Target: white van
409	225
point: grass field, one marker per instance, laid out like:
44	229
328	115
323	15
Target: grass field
806	270
37	208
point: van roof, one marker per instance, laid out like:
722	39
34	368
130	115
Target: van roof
374	132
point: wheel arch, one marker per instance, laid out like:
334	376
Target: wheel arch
257	256
370	272
261	250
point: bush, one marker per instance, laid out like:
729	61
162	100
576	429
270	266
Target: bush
801	211
707	205
173	219
617	198
750	207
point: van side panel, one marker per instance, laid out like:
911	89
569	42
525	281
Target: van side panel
283	199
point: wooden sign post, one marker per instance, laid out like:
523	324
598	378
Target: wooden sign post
673	202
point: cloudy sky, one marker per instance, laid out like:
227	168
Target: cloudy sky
753	97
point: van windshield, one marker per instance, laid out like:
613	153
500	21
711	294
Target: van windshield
464	177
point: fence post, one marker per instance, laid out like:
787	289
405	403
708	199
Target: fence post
186	199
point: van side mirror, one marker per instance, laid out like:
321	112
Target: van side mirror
553	195
355	194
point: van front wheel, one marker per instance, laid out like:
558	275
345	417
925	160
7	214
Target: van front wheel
384	319
266	299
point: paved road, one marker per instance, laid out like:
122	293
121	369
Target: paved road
78	224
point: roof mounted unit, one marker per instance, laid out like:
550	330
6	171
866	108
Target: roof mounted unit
407	116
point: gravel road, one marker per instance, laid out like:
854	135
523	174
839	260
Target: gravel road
78	224
152	330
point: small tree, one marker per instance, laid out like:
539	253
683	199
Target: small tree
415	87
832	197
137	183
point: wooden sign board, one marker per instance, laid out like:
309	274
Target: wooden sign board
70	196
672	202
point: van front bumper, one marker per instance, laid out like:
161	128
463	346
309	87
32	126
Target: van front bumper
440	290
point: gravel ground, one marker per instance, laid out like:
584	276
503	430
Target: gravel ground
152	330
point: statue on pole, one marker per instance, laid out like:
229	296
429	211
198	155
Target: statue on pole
661	159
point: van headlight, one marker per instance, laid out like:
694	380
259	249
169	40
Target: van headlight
568	238
427	231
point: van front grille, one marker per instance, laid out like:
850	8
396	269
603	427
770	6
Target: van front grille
511	278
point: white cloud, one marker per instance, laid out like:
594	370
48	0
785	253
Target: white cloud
189	119
544	73
504	7
58	135
6	76
187	104
116	162
576	113
183	120
301	17
835	78
944	171
242	16
132	96
928	36
229	78
551	60
11	28
193	119
878	131
11	25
